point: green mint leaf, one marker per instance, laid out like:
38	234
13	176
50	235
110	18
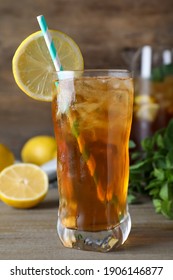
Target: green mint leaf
169	159
159	141
159	160
135	155
159	174
169	175
164	192
132	144
140	164
168	136
156	137
157	204
154	184
147	144
75	129
131	198
167	209
154	192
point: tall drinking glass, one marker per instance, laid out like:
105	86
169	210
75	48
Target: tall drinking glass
92	114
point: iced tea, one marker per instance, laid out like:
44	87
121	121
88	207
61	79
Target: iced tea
92	120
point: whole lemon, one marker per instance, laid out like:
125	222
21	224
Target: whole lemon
39	150
6	157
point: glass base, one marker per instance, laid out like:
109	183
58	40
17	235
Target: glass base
99	241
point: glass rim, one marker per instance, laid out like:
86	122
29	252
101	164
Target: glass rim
90	72
96	70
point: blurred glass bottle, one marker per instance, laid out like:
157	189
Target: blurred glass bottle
153	103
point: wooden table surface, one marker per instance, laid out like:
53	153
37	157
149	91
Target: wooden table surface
31	234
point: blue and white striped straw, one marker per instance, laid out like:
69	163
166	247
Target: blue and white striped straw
49	43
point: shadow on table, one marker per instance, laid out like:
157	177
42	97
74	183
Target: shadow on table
147	240
49	204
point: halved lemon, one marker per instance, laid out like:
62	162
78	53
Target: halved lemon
23	185
32	65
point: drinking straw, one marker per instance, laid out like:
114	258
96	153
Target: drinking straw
88	158
49	42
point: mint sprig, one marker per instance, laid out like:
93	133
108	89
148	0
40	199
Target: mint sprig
152	171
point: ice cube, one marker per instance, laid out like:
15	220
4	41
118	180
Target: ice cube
66	95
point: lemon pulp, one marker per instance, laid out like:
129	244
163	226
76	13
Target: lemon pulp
23	185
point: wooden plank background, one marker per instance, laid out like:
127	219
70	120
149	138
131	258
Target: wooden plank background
102	29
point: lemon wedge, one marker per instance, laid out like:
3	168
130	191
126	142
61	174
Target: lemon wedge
32	65
23	185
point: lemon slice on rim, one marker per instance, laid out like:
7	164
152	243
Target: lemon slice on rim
32	65
23	185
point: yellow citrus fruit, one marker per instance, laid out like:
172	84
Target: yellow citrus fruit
6	157
145	107
32	65
147	112
39	150
23	185
144	98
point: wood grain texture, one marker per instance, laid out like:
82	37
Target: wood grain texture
31	234
102	29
